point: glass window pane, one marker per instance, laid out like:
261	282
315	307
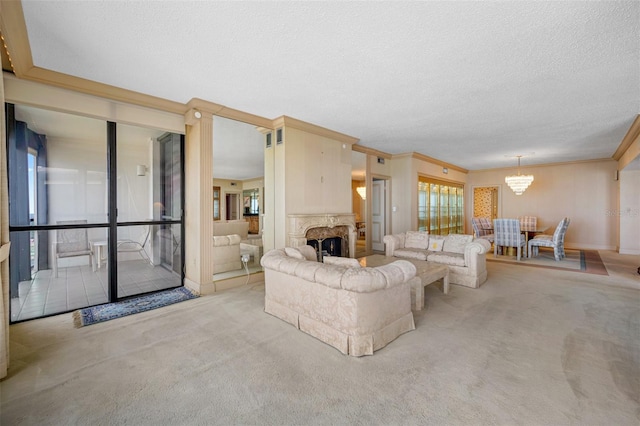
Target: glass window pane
61	277
149	258
149	189
445	205
58	167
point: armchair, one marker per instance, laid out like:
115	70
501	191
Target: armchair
136	245
71	243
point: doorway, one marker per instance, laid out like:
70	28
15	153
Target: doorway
233	206
379	217
486	201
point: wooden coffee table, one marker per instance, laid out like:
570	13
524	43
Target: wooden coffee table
428	272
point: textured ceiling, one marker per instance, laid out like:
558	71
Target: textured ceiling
469	83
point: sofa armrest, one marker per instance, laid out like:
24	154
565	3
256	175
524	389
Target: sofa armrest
392	243
474	249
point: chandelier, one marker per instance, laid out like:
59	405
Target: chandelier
519	183
362	191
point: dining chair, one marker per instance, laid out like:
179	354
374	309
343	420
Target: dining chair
528	223
481	230
556	241
71	243
507	234
485	223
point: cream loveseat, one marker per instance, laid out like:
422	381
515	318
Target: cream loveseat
356	310
464	255
226	253
249	243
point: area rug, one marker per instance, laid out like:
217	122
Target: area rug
109	311
587	261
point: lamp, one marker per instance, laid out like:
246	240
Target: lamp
362	191
519	183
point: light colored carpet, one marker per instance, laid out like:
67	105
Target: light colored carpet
588	261
532	346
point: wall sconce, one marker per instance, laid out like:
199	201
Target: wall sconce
141	170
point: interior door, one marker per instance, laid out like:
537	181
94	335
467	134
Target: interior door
233	206
378	216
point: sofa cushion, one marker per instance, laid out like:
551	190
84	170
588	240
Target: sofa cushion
446	258
416	239
342	261
226	240
411	253
455	243
294	252
435	243
363	280
397	272
307	270
330	275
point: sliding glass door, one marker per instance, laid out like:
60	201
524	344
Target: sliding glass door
95	211
149	210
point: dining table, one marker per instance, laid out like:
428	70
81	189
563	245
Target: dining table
533	231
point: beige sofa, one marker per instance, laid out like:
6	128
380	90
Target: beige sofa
356	310
226	253
464	255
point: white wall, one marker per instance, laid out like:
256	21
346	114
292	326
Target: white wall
629	212
318	171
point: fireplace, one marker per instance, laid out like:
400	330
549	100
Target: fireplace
329	241
332	234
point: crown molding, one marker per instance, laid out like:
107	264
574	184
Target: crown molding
89	87
432	160
230	113
371	151
285	121
533	166
632	134
14	33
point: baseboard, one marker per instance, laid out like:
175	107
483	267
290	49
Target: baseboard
627	251
589	247
239	281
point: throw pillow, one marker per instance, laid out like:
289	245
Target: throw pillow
309	252
416	239
436	243
294	252
349	262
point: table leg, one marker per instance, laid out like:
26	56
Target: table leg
99	252
419	295
445	282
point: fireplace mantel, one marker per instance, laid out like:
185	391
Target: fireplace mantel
299	224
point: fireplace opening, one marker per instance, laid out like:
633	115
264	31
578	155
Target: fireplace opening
329	241
327	247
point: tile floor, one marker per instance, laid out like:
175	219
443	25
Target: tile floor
78	287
